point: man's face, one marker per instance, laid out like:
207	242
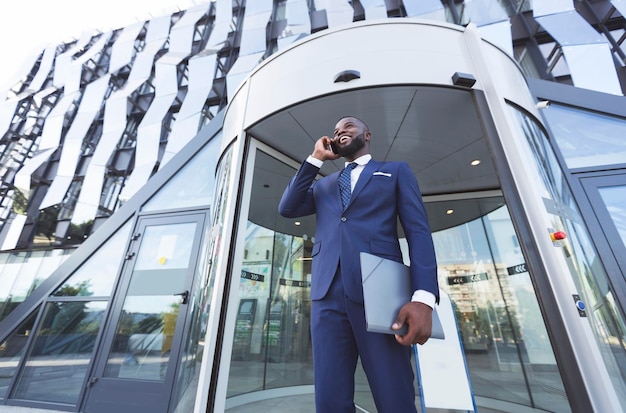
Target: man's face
350	137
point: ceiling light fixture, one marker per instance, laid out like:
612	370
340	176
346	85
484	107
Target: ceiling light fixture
475	162
450	211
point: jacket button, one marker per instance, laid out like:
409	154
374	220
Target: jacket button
344	219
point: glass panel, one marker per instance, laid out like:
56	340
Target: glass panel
337	12
482	12
193	338
592	67
192	186
11	351
193	343
271	346
425	9
25	282
297	16
96	276
584	265
586	138
21	273
61	353
613	198
482	269
145	330
9	275
569	28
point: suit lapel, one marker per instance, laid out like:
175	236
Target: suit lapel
334	182
364	178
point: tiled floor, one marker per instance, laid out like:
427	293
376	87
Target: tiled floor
305	404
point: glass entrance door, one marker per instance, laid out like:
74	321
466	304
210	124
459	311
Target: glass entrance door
140	350
481	267
483	270
607	194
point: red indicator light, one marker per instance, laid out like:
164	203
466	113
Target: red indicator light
558	235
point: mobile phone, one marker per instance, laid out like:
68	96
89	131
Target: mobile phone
333	147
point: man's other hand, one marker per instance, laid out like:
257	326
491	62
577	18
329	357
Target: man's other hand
419	319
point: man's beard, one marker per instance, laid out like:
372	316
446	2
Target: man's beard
356	144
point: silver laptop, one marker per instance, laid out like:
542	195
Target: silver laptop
386	288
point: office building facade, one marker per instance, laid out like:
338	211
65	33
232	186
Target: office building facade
144	266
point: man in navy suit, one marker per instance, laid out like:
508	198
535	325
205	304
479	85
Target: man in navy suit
379	194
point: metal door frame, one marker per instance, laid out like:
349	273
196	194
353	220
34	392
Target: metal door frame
113	313
616	250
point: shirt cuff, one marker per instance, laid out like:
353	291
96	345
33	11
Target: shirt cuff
314	161
426	297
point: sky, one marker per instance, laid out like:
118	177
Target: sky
28	26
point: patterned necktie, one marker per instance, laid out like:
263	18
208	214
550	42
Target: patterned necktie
344	184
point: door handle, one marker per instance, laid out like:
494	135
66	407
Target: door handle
185	296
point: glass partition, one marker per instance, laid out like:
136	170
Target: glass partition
480	266
587	138
186	381
190	359
59	358
98	274
613	197
22	272
12	349
583	263
192	186
271	346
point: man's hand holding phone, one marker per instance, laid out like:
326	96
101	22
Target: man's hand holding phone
325	149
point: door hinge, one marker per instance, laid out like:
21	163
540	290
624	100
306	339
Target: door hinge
92	381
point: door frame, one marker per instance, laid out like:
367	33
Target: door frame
606	236
107	334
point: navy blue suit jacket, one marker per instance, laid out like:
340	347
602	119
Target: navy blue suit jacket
384	192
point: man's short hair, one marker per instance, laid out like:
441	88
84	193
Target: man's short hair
363	124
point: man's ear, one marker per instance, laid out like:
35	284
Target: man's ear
368	136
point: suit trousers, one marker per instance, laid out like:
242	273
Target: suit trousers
339	338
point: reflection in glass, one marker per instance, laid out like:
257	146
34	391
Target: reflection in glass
586	138
271	345
613	198
192	186
21	273
186	382
484	12
96	276
588	275
11	351
145	330
61	353
481	267
8	276
426	9
143	338
183	396
483	270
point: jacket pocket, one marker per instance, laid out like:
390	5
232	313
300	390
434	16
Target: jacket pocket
386	249
317	247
